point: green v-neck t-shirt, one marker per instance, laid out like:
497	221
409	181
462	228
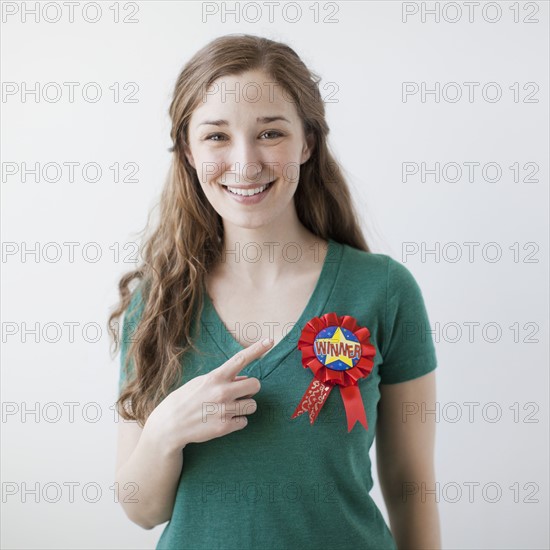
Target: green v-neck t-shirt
282	482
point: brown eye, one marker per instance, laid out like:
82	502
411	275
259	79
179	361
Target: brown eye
211	136
274	134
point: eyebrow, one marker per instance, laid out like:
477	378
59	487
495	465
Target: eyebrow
262	120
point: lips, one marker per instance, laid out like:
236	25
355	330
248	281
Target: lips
229	189
242	196
254	186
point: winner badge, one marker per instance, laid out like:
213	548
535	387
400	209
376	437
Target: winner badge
338	352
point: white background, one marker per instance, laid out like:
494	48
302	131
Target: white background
367	53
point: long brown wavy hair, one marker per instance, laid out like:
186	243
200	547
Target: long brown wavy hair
187	241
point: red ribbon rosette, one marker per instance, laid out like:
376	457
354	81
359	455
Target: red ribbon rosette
338	352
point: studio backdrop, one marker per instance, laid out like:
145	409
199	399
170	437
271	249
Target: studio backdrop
438	112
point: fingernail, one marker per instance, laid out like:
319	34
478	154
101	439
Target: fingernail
266	342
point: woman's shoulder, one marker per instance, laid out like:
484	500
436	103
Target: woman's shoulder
376	267
360	260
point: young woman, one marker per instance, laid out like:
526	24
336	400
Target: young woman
258	240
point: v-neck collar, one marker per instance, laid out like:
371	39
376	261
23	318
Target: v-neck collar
262	366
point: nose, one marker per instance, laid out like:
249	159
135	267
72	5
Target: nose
244	162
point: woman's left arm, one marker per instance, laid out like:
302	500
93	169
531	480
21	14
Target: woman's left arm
405	438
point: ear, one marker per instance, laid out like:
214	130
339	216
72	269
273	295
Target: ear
188	155
308	148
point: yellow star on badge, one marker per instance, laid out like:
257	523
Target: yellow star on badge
338	338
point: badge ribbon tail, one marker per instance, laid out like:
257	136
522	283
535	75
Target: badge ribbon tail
313	399
355	409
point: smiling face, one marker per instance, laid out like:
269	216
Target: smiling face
245	134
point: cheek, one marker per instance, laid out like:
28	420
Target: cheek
209	165
289	154
287	162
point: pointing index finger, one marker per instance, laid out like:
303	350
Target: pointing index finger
236	364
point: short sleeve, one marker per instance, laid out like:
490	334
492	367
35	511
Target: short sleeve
131	319
408	349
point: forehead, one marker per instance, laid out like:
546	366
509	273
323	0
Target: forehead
245	96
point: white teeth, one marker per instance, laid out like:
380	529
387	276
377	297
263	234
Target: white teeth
247	192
